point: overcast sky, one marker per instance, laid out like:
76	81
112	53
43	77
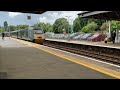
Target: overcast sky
48	17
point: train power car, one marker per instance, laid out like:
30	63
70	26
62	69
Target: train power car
39	36
36	36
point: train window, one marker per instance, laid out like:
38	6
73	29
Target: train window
38	31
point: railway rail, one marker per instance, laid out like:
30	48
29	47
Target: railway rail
110	55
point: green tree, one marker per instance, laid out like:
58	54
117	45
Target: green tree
41	26
61	24
46	27
115	25
99	23
21	27
90	27
1	29
36	26
104	27
79	23
12	28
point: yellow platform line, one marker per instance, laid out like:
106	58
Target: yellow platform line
96	68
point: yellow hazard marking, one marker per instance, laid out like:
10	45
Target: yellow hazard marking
96	68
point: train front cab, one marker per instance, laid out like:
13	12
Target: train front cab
39	37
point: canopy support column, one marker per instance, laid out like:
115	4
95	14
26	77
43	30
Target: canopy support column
110	28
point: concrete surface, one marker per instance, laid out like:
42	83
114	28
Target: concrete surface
21	61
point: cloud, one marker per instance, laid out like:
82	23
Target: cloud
43	19
13	14
51	16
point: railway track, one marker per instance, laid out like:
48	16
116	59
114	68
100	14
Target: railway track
88	51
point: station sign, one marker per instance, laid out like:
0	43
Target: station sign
29	17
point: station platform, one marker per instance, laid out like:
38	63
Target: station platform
100	44
26	60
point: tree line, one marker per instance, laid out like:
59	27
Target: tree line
61	25
8	28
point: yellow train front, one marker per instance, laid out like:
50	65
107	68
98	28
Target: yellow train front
39	36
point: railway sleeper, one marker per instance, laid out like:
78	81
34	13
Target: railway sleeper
99	55
111	56
111	60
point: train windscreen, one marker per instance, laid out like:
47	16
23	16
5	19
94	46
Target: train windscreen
38	31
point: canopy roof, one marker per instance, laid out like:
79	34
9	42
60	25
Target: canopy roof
108	15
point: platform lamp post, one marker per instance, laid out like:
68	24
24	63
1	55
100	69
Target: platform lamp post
64	32
68	17
29	18
71	28
9	31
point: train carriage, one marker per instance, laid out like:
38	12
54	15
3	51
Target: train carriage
26	35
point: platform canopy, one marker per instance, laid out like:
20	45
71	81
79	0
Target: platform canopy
27	11
107	15
33	12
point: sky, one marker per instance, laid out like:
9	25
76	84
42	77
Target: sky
15	18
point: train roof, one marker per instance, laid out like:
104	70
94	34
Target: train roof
15	31
37	29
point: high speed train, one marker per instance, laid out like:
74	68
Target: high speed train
34	35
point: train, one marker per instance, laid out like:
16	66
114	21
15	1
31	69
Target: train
35	35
